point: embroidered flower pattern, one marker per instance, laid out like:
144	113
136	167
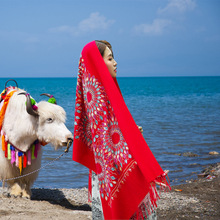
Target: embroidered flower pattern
115	143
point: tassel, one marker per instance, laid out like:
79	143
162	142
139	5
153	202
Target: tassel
20	161
3	142
9	151
13	159
36	149
25	160
16	159
141	214
32	152
29	157
6	150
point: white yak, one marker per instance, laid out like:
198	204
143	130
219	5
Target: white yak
22	126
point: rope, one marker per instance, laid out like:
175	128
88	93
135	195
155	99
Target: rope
18	177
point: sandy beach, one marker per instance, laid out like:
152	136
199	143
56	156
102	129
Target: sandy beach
199	199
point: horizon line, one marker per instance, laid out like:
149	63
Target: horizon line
23	77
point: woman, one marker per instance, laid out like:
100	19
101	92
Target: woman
108	142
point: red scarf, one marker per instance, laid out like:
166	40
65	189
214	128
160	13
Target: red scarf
108	141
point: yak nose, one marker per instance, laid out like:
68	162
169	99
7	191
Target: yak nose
69	140
69	136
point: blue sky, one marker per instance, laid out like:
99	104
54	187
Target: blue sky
44	38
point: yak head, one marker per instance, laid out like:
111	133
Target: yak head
24	122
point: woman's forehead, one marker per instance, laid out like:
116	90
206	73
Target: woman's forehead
107	52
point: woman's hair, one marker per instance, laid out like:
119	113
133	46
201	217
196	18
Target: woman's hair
102	44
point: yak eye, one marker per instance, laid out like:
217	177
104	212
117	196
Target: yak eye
49	120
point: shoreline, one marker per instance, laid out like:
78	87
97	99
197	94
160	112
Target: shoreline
199	199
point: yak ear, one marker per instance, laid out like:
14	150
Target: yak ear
51	98
29	108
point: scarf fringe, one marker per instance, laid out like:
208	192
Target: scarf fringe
149	203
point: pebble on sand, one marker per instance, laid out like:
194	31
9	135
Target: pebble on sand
213	153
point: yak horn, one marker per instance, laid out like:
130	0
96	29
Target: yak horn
9	81
50	96
29	108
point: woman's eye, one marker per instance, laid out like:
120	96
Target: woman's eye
49	120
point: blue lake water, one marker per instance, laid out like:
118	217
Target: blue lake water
178	114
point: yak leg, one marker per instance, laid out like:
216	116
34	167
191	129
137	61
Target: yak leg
16	190
26	192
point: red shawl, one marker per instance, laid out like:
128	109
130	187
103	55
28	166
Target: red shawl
108	141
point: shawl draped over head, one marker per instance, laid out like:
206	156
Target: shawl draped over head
108	141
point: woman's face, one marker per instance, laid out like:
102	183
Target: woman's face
110	62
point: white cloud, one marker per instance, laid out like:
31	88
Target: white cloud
93	23
178	6
156	28
160	25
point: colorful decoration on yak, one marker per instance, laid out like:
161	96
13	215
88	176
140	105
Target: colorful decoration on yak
5	96
33	103
19	158
52	100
